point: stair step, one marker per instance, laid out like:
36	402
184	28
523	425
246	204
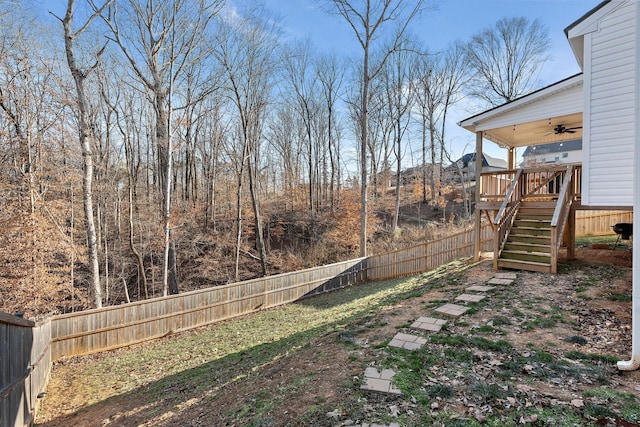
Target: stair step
527	222
531	231
528	238
540	257
527	247
524	265
538	217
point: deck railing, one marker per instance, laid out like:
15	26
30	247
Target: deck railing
539	183
506	214
559	220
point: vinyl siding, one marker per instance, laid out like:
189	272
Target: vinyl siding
610	114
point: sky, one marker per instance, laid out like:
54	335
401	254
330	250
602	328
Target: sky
448	21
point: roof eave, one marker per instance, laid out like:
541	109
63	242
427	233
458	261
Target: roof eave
472	122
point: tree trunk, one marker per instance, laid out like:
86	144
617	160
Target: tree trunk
364	143
87	155
173	277
142	276
257	222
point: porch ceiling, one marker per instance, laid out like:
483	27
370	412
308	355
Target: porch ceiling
531	119
536	132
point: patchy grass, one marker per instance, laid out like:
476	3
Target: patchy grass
587	241
620	297
501	364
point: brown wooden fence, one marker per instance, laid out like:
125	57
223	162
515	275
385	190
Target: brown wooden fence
118	326
598	223
426	256
25	363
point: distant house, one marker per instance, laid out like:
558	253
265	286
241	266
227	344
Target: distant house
467	164
556	153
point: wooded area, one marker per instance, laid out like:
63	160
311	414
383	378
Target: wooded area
150	148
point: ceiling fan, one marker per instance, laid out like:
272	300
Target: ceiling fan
560	129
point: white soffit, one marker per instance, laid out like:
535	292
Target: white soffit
531	119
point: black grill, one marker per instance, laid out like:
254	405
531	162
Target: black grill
624	229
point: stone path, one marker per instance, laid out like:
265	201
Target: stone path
377	425
382	381
453	310
406	341
470	298
477	288
429	324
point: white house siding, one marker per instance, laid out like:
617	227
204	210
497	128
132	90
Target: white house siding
609	111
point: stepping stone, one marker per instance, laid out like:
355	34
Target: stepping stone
478	288
406	341
497	281
377	425
430	324
380	381
452	310
470	298
503	275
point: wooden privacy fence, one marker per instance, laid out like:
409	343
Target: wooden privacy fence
426	256
25	363
118	326
598	223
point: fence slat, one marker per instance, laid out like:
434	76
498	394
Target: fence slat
25	363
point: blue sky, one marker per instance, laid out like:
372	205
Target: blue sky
451	20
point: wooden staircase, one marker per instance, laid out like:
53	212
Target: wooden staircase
528	245
529	224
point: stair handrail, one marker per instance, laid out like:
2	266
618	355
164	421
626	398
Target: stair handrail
506	214
508	197
543	184
559	219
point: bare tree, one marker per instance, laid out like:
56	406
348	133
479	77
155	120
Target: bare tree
86	136
244	49
368	20
437	87
429	93
31	106
281	136
398	76
330	72
161	41
507	59
455	76
301	79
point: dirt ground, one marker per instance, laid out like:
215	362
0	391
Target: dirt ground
319	384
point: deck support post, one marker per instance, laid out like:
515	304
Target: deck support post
477	247
571	234
511	158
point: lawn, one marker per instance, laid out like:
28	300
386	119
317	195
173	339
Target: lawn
541	351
